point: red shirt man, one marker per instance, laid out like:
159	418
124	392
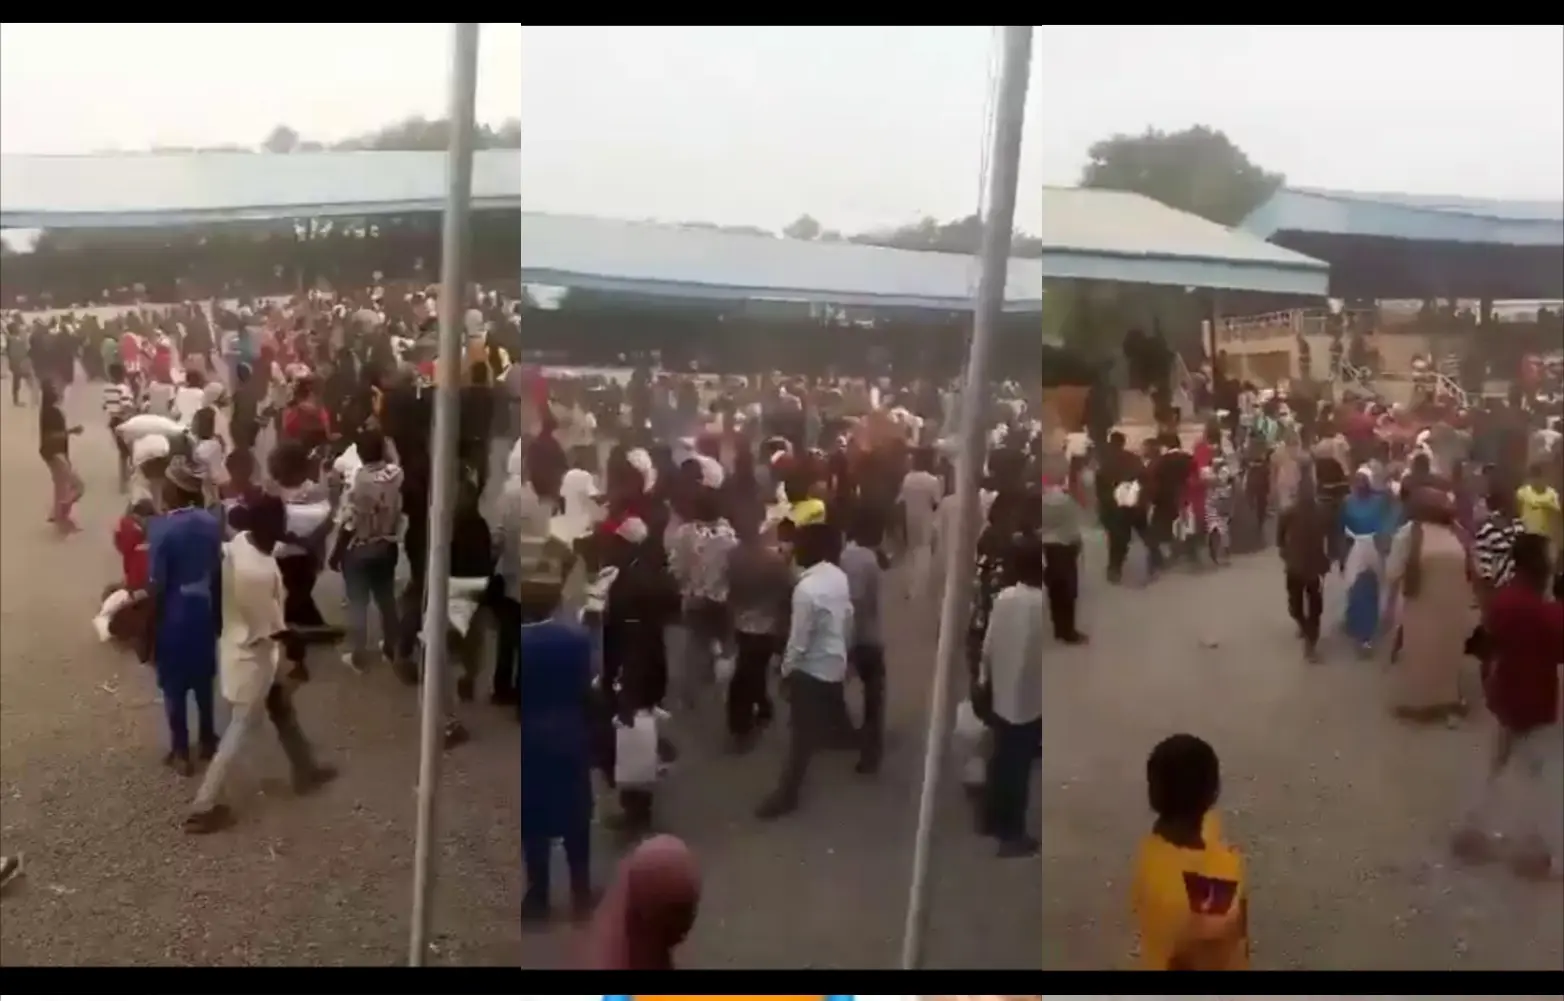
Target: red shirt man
1526	633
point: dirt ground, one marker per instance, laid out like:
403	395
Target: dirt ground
112	880
1343	813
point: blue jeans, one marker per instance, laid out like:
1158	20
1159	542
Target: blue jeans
369	574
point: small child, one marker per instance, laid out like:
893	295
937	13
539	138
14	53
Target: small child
1190	893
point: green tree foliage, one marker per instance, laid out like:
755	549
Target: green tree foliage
1197	170
412	133
958	236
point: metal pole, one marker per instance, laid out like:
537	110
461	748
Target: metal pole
442	500
1004	166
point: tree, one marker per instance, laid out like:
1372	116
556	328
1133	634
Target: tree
958	236
419	133
803	228
281	139
1198	170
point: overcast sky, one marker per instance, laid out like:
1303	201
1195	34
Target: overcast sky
858	126
81	88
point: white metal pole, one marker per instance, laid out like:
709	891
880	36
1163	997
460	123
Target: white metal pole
1004	178
443	472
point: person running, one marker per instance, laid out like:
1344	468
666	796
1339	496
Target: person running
1521	684
814	662
252	595
54	445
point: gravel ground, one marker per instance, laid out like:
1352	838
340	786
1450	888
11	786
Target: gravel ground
1343	813
112	880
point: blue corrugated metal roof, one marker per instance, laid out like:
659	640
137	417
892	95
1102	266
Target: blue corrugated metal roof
1444	218
1120	236
655	259
125	190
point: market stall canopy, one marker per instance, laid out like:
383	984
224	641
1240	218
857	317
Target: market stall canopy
658	259
1398	246
123	190
1120	236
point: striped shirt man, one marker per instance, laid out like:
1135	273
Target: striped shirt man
119	402
1492	548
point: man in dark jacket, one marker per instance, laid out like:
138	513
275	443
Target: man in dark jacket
1304	537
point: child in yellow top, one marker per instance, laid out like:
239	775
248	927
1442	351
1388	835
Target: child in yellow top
1191	897
1537	504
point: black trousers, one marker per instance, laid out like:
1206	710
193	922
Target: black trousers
299	573
411	615
537	853
279	709
749	701
1009	780
1062	579
813	706
1306	605
869	661
1122	524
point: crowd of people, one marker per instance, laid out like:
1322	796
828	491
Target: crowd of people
651	539
1445	529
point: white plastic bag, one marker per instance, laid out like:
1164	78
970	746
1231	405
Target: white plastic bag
1127	494
595	596
462	602
724	667
969	729
347	464
635	752
967	739
974	770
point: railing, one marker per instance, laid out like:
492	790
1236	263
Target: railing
1383	320
1292	322
1349	375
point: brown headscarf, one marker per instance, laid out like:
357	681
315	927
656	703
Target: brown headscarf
648	910
1424	506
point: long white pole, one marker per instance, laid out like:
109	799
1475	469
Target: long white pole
1004	178
442	499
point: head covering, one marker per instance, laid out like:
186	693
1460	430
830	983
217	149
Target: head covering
648	910
641	461
809	511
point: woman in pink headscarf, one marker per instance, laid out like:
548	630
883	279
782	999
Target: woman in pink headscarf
648	911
